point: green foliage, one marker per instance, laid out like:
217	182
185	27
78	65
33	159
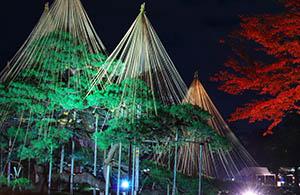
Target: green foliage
46	100
42	146
161	177
3	180
137	116
20	182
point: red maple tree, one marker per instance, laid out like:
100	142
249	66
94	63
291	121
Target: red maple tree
266	61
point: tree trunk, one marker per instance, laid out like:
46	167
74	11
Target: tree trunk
62	156
61	165
82	178
109	157
29	168
119	169
36	175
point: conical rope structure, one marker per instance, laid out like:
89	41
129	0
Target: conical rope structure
141	55
60	81
43	87
220	164
64	15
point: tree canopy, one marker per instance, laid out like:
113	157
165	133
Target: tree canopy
266	61
141	118
45	103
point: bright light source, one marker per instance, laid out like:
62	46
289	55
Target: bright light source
124	184
249	192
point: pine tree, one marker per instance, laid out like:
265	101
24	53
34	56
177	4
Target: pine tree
46	102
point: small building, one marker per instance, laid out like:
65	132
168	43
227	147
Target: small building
257	175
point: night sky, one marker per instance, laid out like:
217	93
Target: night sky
190	30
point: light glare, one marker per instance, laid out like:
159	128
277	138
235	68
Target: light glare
249	192
125	184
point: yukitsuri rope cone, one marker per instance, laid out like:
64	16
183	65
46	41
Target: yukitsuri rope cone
220	163
43	86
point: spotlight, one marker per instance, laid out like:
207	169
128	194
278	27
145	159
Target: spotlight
249	192
125	184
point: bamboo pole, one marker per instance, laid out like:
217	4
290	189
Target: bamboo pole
72	158
130	165
137	167
72	167
119	168
175	164
95	146
50	170
169	168
9	162
200	169
107	179
133	171
95	151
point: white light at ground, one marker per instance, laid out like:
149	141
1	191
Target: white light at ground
249	192
125	184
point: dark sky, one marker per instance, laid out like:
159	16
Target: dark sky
189	29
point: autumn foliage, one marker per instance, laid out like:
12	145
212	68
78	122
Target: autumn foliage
266	61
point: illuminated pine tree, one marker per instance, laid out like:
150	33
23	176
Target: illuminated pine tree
47	101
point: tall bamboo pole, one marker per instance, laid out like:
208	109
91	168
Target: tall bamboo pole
72	158
95	151
95	147
72	167
9	162
50	170
107	181
119	168
130	165
169	168
200	169
137	167
175	164
133	171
